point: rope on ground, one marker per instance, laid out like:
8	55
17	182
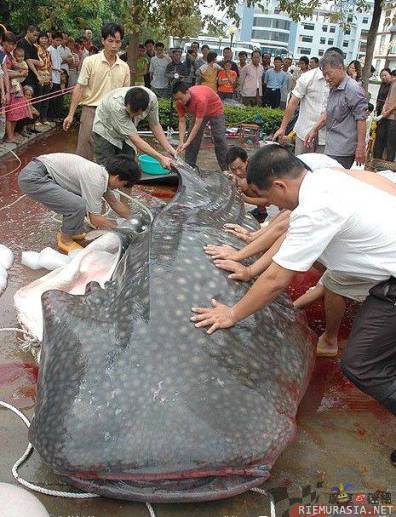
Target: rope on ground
17	167
12	204
28	452
269	495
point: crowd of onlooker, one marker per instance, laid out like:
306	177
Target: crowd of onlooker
43	66
35	71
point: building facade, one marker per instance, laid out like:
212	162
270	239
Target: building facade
276	33
385	44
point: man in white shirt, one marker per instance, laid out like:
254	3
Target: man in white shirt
74	187
311	92
158	77
329	224
55	103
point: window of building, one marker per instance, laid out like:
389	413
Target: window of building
309	26
270	36
307	39
330	41
350	19
304	51
321	52
345	44
324	28
332	29
323	41
388	13
347	31
271	22
365	20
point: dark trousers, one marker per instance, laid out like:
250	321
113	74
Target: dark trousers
385	140
55	109
43	106
225	95
369	360
272	98
103	149
345	161
217	127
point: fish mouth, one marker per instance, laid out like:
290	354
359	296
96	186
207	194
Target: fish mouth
191	490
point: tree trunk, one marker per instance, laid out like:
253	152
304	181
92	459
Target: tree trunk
371	37
132	54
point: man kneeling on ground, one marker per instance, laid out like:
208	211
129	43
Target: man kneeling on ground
73	186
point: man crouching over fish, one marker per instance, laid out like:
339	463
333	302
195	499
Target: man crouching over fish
73	187
329	224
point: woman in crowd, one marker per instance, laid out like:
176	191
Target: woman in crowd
386	80
44	77
354	70
74	67
207	74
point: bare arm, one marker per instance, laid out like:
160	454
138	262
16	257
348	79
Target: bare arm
182	129
360	154
101	222
77	94
118	207
289	112
146	148
194	131
374	179
159	134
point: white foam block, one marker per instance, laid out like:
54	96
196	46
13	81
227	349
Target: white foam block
31	259
6	257
16	502
3	278
51	259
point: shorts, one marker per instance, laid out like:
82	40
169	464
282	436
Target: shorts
346	285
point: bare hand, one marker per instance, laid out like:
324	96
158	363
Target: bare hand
171	150
360	155
238	231
238	271
218	317
182	147
221	252
67	122
280	134
310	138
166	162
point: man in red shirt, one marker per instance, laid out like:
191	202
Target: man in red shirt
205	106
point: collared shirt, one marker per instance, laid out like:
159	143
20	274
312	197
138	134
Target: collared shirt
76	174
287	87
330	223
65	53
204	103
250	80
100	78
56	61
275	80
312	90
113	122
158	71
347	103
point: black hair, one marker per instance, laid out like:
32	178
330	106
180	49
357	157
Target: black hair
271	162
386	69
137	99
242	53
149	41
211	57
79	40
205	46
179	86
226	48
370	107
110	29
195	43
123	166
159	44
316	59
255	52
236	152
304	59
83	38
278	58
57	35
141	45
42	35
31	28
10	37
394	72
335	49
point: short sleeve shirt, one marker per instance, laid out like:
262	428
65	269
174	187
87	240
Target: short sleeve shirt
113	122
330	224
78	175
100	78
204	103
346	105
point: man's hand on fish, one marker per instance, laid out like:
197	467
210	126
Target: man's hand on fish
166	162
218	317
238	231
238	271
221	252
182	147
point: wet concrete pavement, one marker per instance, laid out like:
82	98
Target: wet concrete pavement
343	436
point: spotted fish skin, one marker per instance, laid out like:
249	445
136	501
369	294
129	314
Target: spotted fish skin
134	401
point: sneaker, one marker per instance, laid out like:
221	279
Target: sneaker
393	458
